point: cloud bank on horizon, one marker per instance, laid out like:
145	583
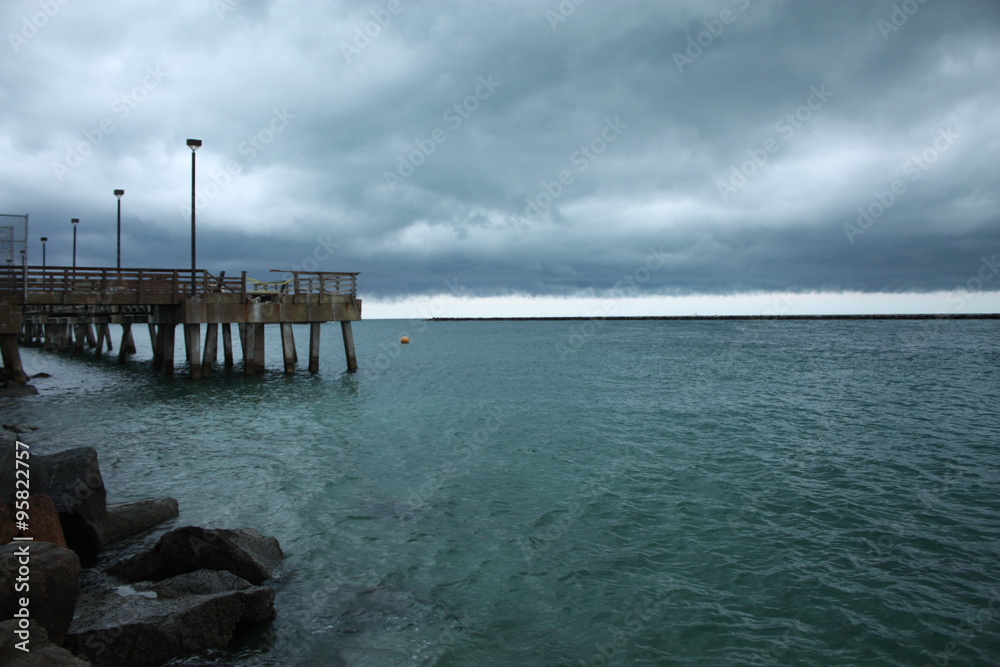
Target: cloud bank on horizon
544	148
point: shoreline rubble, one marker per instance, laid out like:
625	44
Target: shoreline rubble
194	590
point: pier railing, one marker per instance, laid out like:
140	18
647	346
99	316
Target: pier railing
62	284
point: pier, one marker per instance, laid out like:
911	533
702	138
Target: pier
60	307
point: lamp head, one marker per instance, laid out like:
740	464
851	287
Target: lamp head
195	144
119	193
75	221
44	239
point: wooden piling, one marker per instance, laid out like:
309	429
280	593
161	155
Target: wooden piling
211	348
314	329
106	329
352	360
13	370
253	358
227	344
128	342
88	331
258	348
124	345
288	347
81	338
192	348
165	334
242	329
54	336
99	344
246	342
156	336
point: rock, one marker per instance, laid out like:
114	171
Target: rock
115	629
72	478
244	552
40	375
7	530
15	390
53	573
43	521
42	652
126	519
199	582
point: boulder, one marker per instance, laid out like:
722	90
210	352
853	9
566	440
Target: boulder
72	478
244	552
41	651
124	626
53	586
124	519
7	530
43	522
199	582
15	390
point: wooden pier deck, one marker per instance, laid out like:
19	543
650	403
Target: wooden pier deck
56	307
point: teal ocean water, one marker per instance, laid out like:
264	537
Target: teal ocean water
586	493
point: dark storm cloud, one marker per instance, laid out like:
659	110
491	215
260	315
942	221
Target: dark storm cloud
537	147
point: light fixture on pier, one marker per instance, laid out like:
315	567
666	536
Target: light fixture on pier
45	240
193	144
75	221
118	194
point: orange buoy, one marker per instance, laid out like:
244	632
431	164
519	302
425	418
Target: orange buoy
405	340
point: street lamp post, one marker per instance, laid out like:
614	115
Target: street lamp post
44	241
118	194
75	221
193	144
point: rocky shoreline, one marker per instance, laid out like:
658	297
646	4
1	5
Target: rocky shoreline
194	590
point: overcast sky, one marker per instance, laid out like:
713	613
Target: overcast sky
684	152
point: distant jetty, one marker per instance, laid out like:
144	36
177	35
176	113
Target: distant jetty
953	316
